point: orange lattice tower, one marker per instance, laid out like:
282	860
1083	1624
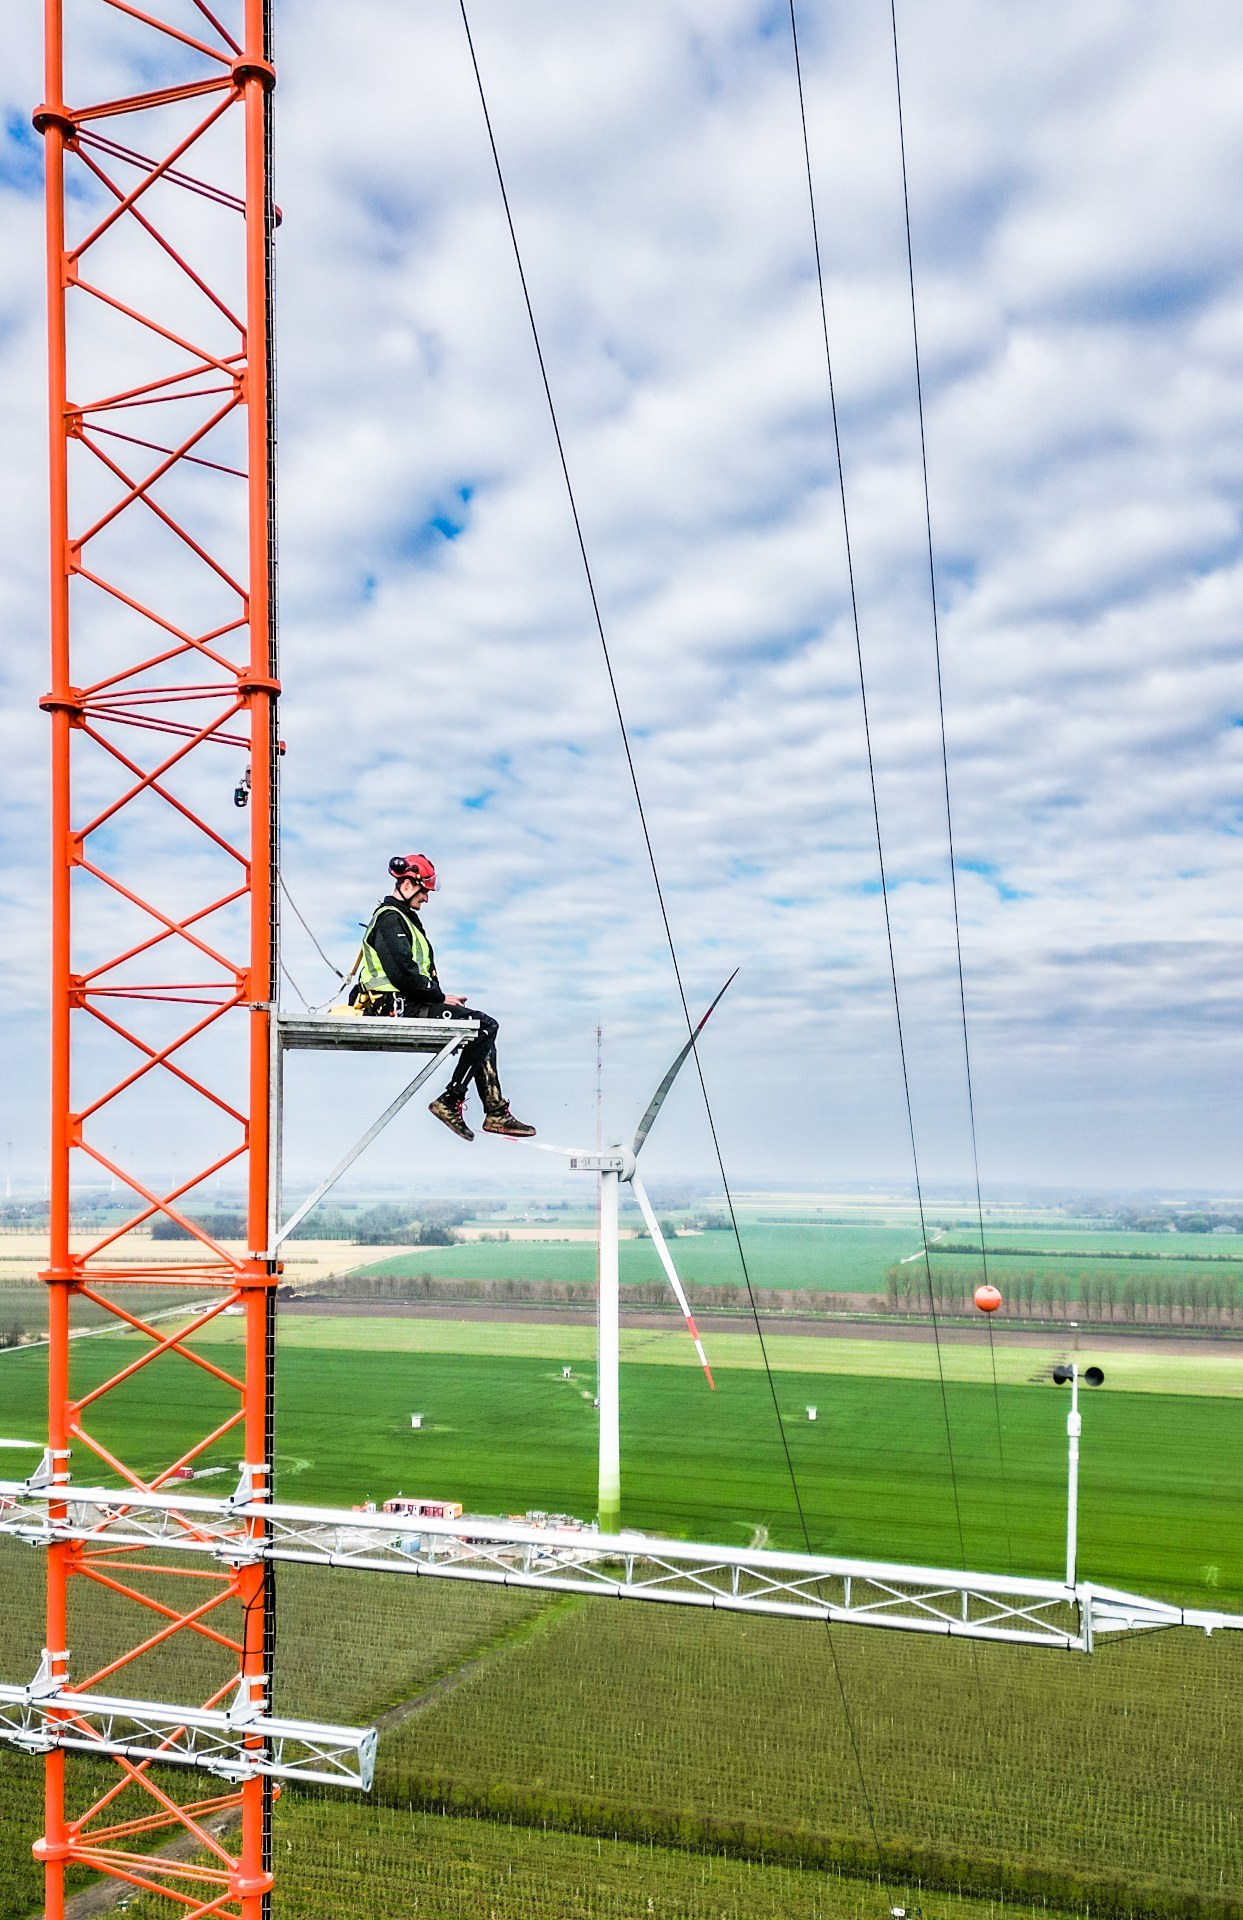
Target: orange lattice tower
159	240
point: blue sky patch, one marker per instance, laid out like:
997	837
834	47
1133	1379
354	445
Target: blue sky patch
448	522
987	870
21	155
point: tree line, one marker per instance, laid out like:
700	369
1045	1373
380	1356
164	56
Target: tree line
385	1225
1136	1297
649	1295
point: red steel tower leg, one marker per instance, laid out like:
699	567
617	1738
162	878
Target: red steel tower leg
163	942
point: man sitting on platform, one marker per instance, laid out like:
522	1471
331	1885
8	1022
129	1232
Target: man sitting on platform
398	976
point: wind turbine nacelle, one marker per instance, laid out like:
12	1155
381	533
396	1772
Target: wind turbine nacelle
618	1160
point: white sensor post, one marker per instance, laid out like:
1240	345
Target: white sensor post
1074	1427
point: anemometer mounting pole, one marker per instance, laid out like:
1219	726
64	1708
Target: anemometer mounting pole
1069	1373
1074	1427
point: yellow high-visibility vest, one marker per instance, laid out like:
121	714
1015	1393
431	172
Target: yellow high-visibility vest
372	974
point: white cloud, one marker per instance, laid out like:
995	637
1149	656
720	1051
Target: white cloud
1073	181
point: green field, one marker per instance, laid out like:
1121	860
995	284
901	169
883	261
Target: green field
503	1430
1146	1367
394	1649
627	1761
826	1257
795	1254
391	1863
981	1765
635	1760
453	1869
1102	1241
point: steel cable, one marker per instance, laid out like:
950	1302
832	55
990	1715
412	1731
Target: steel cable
306	929
977	1676
945	764
877	832
664	914
880	852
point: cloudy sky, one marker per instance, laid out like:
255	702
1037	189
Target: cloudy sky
1075	176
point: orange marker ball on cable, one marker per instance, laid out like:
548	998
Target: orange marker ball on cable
987	1299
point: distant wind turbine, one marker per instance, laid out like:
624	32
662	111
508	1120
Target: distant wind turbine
613	1166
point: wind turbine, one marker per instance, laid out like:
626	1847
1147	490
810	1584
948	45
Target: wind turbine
613	1166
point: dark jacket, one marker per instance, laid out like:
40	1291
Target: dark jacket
391	940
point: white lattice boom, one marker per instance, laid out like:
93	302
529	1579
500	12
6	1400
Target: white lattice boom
628	1566
235	1745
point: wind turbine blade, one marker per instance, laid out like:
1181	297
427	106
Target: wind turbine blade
571	1153
658	1098
658	1241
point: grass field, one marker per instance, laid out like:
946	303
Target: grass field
394	1863
799	1254
994	1763
825	1256
503	1430
1148	1368
1104	1240
626	1762
612	1758
567	1729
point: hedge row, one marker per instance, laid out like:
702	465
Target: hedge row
650	1295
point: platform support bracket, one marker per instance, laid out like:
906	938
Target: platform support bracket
377	1127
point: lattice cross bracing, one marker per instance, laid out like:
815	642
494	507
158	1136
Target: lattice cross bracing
163	689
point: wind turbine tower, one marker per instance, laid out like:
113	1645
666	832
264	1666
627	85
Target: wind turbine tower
615	1165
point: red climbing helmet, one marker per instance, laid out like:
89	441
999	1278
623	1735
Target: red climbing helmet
414	866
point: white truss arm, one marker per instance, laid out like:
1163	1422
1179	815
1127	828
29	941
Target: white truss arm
628	1566
235	1746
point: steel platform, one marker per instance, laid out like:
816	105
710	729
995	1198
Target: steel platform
360	1033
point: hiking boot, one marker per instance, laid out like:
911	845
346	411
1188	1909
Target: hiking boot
448	1111
501	1120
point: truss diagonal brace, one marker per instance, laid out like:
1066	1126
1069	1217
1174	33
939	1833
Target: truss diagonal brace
220	1741
628	1566
390	1112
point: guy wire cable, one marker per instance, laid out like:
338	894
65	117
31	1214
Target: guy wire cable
880	851
882	1869
293	983
867	736
949	827
975	1665
945	763
306	929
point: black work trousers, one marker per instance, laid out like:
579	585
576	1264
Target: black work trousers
476	1061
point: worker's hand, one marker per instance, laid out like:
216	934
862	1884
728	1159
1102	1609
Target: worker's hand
455	999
